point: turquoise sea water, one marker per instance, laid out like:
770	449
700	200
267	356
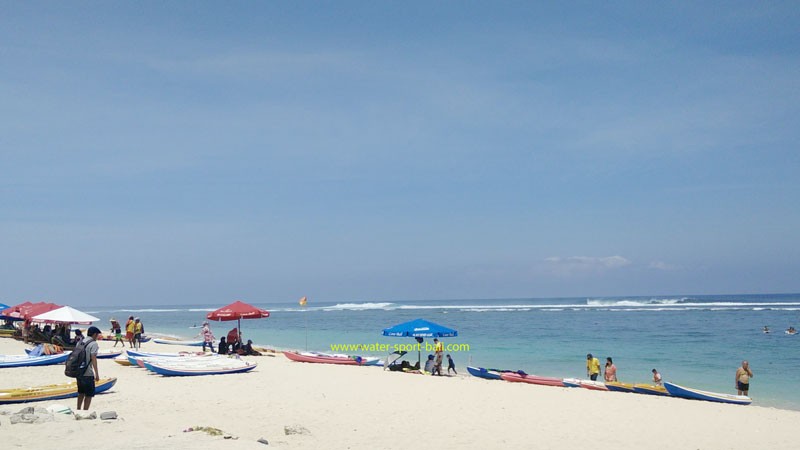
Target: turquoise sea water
697	341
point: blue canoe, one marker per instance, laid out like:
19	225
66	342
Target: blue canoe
26	361
187	371
696	394
489	374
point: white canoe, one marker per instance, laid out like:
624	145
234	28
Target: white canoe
177	342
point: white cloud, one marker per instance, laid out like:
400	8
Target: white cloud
566	266
660	265
606	262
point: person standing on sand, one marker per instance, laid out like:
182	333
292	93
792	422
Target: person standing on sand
592	367
439	356
129	327
138	330
611	370
743	375
657	378
117	330
208	337
92	374
26	330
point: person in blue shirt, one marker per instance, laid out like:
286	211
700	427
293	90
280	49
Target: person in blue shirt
451	365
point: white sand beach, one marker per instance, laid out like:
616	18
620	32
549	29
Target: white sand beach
364	407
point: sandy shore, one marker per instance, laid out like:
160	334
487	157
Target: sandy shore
365	407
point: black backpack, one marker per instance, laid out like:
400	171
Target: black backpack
76	361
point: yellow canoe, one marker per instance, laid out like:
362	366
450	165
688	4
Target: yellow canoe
49	392
650	389
619	387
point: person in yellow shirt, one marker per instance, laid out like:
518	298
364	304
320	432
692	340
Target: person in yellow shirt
138	330
592	367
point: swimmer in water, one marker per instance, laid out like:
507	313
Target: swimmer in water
766	329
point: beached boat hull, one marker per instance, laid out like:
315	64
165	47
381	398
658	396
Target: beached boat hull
52	392
571	382
28	361
122	360
105	355
480	372
593	385
650	389
696	394
616	386
515	377
186	372
294	356
164	355
175	342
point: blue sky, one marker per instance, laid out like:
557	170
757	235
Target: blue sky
173	152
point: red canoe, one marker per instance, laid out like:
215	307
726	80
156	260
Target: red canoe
294	356
532	379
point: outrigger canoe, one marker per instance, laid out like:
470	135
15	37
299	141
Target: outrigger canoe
696	394
100	355
593	385
25	360
516	377
165	355
489	374
330	359
177	342
183	370
617	386
51	392
650	389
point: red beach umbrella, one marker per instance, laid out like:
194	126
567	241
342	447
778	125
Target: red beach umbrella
27	310
237	311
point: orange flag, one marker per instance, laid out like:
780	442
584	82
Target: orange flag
303	301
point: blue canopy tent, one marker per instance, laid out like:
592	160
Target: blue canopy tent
2	307
420	329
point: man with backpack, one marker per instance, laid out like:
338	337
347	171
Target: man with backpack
90	374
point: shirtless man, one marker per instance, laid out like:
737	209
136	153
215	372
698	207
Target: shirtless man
743	375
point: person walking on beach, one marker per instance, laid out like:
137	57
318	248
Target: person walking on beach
451	365
208	337
129	327
138	330
657	380
92	374
117	330
743	375
611	370
592	367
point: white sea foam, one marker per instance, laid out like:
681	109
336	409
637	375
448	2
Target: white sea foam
635	302
152	310
359	306
493	309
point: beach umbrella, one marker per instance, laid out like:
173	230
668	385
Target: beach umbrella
420	329
13	312
27	310
65	314
237	311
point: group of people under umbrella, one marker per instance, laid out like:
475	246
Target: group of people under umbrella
55	321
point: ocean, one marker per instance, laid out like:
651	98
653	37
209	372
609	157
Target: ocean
697	341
